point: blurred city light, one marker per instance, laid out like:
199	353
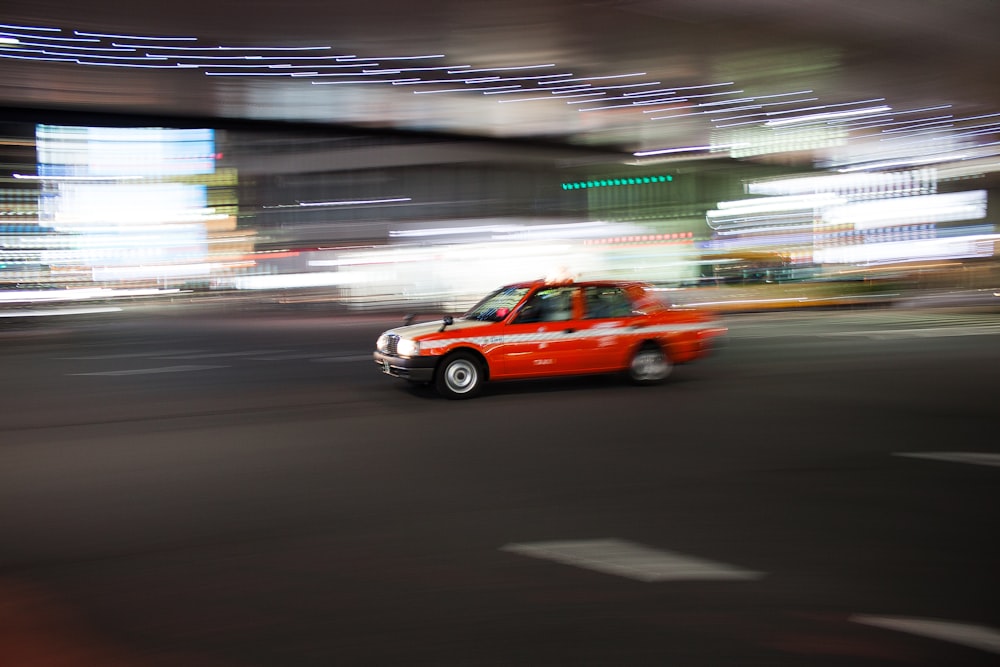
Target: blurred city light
761	169
150	212
112	210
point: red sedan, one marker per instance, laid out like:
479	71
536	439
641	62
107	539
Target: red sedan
543	329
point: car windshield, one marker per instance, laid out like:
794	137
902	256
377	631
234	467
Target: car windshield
497	305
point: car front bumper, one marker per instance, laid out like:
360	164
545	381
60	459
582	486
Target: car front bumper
414	369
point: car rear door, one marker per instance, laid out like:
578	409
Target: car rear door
608	326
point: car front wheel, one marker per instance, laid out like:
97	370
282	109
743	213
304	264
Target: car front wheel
649	365
460	376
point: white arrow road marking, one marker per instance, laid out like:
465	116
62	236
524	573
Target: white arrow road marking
628	559
975	458
976	636
146	371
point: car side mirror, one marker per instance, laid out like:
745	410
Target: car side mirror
446	322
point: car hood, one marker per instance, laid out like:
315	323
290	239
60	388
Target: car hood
424	328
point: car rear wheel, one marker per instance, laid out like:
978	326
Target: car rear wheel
460	376
649	365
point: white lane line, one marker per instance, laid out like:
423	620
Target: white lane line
628	559
316	358
283	357
925	332
128	355
55	312
212	355
334	360
147	371
975	458
966	634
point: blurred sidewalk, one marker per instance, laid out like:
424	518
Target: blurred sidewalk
758	298
292	303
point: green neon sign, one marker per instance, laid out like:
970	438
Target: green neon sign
617	182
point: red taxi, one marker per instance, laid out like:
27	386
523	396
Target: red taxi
542	329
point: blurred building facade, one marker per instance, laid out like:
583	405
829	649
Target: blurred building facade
371	218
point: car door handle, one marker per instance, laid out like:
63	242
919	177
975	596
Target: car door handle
570	331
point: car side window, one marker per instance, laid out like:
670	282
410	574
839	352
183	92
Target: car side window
552	304
605	302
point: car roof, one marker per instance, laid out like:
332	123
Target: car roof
583	283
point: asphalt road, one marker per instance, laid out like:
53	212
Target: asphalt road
244	488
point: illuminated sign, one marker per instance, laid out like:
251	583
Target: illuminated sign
615	182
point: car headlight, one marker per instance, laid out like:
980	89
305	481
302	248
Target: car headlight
382	344
407	348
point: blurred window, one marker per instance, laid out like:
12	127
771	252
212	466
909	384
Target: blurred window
550	304
497	305
603	302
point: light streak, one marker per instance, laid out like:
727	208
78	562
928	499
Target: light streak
37	177
89	49
263	58
988	115
314	66
635	96
897	112
425	57
914	125
866	125
904	162
289	74
77	56
629	85
824	116
544	97
259	57
707	85
416	82
138	66
227	48
405	69
530	78
757	115
333	74
943	132
51	39
351	202
26	27
502	69
36	58
465	90
663	151
137	37
697	113
613	76
351	83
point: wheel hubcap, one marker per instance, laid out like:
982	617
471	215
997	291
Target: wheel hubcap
650	366
461	376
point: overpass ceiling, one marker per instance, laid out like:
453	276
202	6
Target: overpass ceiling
629	75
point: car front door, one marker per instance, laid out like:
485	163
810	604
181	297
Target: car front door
542	338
